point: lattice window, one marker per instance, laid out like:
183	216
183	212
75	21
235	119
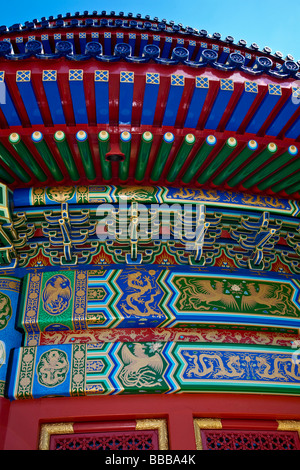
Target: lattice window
113	440
249	440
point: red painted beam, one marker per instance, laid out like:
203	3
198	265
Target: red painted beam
26	416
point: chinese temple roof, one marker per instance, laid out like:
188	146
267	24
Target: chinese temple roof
106	98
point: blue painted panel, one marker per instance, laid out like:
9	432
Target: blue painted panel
195	107
284	115
54	102
294	130
22	197
220	104
144	42
102	102
30	102
70	38
131	42
119	38
167	48
57	37
240	111
8	108
156	40
149	103
248	58
21	45
191	48
224	55
203	46
107	43
126	97
46	46
180	42
172	106
78	100
266	107
82	42
95	37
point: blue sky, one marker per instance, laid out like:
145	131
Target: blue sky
273	23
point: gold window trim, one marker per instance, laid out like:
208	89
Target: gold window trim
160	425
214	423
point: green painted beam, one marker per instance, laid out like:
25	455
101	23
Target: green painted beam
15	167
25	155
241	158
143	156
44	151
219	159
283	173
86	155
162	156
182	154
125	147
66	155
5	176
257	161
104	148
200	157
295	188
268	169
286	183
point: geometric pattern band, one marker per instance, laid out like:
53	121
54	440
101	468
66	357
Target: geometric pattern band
136	297
165	368
153	194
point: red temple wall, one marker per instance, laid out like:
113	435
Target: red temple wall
243	411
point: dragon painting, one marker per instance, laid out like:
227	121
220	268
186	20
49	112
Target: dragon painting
144	294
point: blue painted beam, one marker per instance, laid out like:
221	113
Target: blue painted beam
50	85
144	42
78	96
23	79
46	44
156	40
132	41
150	98
57	37
20	44
174	98
167	48
7	105
245	102
215	47
224	55
82	42
180	42
286	112
119	38
294	131
248	58
191	48
126	97
197	101
101	79
107	44
203	45
272	97
224	94
95	36
70	38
